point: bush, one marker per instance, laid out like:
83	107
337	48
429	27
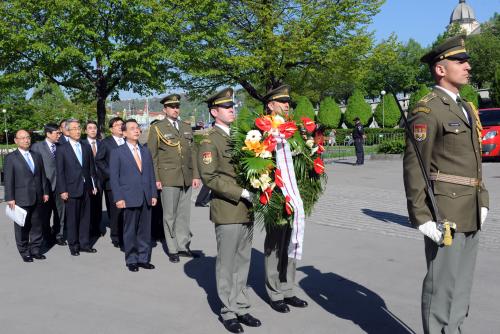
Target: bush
468	93
329	114
392	147
387	113
370	133
357	107
304	108
495	88
422	91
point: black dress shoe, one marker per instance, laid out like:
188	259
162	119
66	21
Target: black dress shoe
233	325
116	244
280	306
146	265
248	320
61	242
88	250
188	253
38	256
174	258
75	253
133	267
201	205
296	302
27	258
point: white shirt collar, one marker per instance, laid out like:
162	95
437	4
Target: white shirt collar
49	143
450	93
90	140
23	152
118	140
226	129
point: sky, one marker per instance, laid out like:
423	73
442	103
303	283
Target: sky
421	20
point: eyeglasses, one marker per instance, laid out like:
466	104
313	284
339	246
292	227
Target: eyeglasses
24	138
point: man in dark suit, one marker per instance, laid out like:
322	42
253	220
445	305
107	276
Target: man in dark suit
102	162
55	206
134	191
26	186
95	200
76	181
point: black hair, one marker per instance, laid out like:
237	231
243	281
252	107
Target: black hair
50	127
113	121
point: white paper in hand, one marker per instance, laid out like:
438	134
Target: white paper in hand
18	215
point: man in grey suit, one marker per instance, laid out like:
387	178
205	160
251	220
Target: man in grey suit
55	206
26	186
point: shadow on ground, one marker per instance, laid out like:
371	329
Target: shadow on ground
348	300
387	217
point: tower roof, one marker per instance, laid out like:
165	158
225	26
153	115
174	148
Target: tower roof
463	13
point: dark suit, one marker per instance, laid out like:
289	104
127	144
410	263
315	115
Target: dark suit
77	181
95	200
55	205
137	189
27	188
115	216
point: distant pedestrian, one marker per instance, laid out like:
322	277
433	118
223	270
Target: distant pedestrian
358	135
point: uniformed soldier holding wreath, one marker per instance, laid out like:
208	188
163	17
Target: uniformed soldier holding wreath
229	211
171	145
447	131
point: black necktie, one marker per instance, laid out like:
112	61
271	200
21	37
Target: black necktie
462	106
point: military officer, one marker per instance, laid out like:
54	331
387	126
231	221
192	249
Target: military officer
279	268
447	131
229	211
171	145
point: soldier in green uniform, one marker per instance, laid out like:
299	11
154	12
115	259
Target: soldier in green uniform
171	144
447	131
280	269
229	211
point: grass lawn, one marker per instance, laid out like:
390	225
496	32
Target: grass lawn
333	152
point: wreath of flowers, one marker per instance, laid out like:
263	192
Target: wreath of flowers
254	144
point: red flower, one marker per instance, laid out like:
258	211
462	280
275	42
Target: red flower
270	143
288	129
278	179
309	124
263	123
266	196
321	149
319	166
288	206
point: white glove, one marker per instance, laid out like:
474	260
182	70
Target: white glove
484	213
245	194
430	230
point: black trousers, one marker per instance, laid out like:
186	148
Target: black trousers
137	234
115	219
78	221
54	208
360	153
29	237
96	213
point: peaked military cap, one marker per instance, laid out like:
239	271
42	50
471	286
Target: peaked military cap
223	98
453	48
282	94
171	99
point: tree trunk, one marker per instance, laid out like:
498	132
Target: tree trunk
101	114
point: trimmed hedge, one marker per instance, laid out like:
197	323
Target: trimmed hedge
329	114
387	112
342	133
422	91
469	93
304	108
357	107
392	147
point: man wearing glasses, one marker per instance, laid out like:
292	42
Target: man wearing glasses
76	181
174	157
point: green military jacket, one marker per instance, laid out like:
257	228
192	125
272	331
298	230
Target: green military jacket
217	173
174	153
450	145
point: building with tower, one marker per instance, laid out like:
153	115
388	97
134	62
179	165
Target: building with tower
464	15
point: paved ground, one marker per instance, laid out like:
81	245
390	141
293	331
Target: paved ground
362	272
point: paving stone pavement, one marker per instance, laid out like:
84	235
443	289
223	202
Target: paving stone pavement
361	272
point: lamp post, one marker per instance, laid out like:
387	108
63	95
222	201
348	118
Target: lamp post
383	108
4	111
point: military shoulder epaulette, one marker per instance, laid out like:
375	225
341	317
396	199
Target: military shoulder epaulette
421	108
205	140
428	97
186	122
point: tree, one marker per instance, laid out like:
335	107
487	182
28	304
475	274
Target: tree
495	88
422	91
329	113
470	94
387	112
258	43
304	108
91	48
357	107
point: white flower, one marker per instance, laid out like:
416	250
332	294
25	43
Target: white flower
314	150
253	136
265	178
255	183
265	154
310	143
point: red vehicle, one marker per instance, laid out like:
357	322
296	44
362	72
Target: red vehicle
490	119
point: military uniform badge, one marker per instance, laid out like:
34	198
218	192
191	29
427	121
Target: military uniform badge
420	132
207	158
